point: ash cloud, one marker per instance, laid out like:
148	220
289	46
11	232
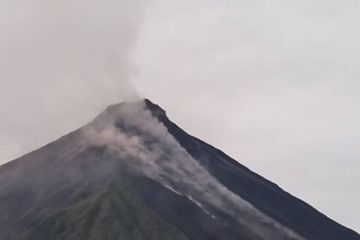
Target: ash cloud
130	133
60	59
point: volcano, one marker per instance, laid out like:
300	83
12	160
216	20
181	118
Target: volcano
132	174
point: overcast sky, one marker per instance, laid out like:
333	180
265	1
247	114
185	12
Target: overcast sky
275	84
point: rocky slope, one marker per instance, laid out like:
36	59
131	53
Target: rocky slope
133	174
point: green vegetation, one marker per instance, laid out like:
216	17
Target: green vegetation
116	213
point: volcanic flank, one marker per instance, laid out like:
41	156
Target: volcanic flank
133	174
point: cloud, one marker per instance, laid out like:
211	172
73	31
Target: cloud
63	58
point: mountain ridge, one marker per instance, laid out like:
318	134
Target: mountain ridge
177	131
148	161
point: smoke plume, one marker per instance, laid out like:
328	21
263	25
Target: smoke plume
133	134
63	58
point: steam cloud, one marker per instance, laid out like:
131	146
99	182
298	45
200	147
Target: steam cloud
131	133
76	53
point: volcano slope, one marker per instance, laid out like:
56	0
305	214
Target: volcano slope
133	174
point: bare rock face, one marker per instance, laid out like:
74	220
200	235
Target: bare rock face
134	174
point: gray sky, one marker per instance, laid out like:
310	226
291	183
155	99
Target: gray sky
272	83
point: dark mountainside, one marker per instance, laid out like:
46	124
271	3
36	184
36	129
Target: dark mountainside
132	174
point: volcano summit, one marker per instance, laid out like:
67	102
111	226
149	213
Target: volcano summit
133	174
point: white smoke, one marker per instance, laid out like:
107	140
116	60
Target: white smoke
63	58
132	133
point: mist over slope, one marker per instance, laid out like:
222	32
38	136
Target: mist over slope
133	174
